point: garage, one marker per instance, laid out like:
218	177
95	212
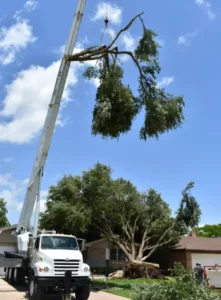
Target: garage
192	249
206	259
7	242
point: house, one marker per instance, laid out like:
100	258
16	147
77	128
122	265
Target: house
8	242
192	249
188	251
98	251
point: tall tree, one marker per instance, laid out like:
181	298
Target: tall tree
116	105
64	209
138	223
3	213
189	210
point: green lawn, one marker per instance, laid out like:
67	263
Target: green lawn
120	287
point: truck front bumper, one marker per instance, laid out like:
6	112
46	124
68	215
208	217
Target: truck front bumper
53	282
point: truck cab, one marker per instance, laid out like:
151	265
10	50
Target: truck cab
54	257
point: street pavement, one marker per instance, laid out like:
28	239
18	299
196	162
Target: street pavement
8	292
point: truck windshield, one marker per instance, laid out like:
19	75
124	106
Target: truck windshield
59	242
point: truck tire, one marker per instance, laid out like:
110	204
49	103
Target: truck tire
7	274
82	293
20	276
11	275
15	277
33	290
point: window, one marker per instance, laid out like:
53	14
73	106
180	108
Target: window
59	243
113	254
37	242
117	254
121	255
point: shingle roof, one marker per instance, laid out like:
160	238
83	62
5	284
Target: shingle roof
199	244
8	228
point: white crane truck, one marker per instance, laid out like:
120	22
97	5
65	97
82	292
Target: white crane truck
50	261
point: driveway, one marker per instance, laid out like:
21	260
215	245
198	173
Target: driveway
8	292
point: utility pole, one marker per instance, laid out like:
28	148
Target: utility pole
33	192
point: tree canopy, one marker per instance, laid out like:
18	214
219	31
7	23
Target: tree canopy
3	213
189	210
209	231
116	105
98	205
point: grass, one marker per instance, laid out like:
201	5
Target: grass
120	287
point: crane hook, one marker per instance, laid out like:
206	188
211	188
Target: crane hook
106	21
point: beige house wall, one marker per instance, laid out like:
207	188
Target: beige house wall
6	238
96	255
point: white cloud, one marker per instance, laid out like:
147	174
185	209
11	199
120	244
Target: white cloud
13	39
26	102
5	179
160	41
95	82
113	12
44	195
165	81
186	39
43	199
6	160
12	190
129	44
207	7
129	41
10	197
31	5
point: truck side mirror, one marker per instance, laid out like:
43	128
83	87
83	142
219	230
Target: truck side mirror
81	243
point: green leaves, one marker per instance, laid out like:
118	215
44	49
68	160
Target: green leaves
117	105
3	213
66	218
147	48
184	287
163	113
209	231
189	210
97	203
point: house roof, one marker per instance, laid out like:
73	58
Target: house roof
8	228
199	244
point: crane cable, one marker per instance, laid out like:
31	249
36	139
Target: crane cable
106	22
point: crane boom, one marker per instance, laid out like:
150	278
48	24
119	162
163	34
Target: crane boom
47	132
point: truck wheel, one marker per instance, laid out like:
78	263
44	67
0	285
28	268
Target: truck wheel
11	275
34	292
7	274
20	276
15	277
82	293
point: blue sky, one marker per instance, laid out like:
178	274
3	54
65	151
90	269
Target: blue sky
32	35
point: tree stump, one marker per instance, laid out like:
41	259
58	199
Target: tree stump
137	269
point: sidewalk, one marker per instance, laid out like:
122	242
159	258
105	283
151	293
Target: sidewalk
8	292
105	296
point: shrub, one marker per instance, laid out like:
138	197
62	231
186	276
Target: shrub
185	287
